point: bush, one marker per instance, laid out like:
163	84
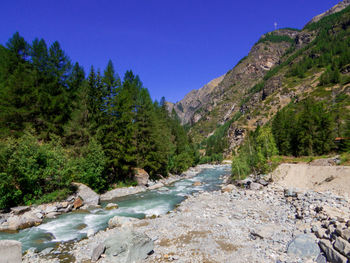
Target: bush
254	155
89	168
30	169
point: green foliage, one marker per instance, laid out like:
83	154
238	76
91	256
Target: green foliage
254	155
90	166
328	21
257	88
218	142
305	128
30	169
107	126
273	37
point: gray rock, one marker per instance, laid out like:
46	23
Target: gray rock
156	186
50	209
89	197
46	251
290	193
20	209
345	233
10	251
121	221
255	186
91	232
52	214
97	251
304	246
39	215
321	259
18	222
342	246
331	254
128	246
262	182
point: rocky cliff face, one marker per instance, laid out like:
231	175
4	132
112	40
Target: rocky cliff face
193	101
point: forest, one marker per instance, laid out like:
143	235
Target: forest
59	125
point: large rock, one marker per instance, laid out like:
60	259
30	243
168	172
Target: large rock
141	177
156	186
332	255
26	220
121	221
304	246
10	251
342	246
90	198
128	246
97	252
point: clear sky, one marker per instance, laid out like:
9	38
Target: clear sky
173	45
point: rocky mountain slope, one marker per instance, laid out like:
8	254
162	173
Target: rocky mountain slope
264	82
194	100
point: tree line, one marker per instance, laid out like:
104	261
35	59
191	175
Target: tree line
59	124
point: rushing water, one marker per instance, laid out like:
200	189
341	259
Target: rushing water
75	225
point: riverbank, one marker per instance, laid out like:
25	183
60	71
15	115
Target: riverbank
84	199
269	224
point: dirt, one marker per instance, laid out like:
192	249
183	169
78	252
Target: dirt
318	178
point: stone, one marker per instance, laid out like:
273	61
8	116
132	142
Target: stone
345	233
141	177
290	193
342	246
89	197
321	259
26	220
50	209
39	215
255	186
128	246
156	186
46	251
304	246
262	182
78	203
320	233
97	251
52	214
227	188
121	221
331	254
10	251
64	204
111	206
91	232
20	209
197	184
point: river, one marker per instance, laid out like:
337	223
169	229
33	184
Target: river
75	225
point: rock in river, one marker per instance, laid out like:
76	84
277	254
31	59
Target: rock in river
89	197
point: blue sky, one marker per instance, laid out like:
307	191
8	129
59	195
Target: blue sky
173	45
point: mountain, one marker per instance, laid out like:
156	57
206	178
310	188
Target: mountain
283	67
335	9
193	101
